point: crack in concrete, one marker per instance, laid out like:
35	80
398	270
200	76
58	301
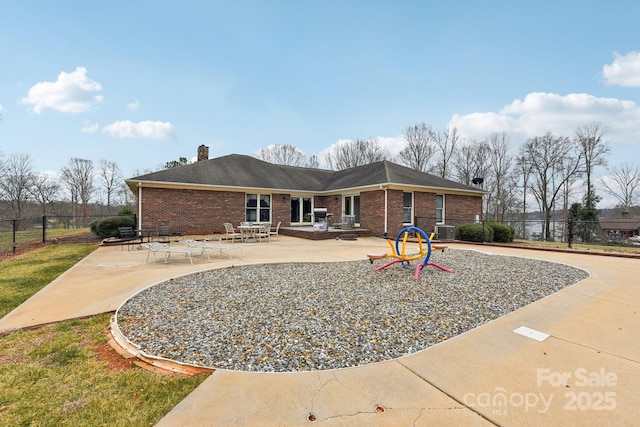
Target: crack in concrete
323	384
463	406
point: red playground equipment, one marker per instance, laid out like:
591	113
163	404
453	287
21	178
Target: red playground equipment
399	252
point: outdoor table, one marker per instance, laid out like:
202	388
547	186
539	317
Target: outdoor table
249	231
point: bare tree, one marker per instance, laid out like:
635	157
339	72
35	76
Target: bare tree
125	194
373	151
524	170
349	154
445	142
570	177
285	154
419	149
110	176
470	161
501	168
78	177
590	139
622	183
145	171
16	178
553	160
313	162
44	191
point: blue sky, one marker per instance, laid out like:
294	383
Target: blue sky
145	82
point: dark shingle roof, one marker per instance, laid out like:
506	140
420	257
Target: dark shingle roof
622	224
237	170
386	172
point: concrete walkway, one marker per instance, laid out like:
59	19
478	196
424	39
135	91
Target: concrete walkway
587	372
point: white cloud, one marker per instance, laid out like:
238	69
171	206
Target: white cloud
89	127
393	144
141	130
623	71
72	93
2	110
49	174
133	105
539	113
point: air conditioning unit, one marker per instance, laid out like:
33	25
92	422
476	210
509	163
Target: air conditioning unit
446	232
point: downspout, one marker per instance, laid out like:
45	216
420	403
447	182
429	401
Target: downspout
139	206
384	187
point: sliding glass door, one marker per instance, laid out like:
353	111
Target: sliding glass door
351	206
301	210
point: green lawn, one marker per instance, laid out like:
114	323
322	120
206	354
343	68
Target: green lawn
24	275
33	236
57	375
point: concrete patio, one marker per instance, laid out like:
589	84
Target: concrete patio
587	372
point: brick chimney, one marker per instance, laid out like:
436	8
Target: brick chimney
203	152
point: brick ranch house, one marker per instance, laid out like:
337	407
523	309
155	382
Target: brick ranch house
383	197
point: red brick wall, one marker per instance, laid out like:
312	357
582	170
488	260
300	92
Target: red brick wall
424	208
372	211
280	209
191	211
458	210
204	212
394	212
461	209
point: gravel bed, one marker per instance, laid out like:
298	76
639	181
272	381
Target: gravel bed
315	316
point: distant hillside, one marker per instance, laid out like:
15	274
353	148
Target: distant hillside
602	213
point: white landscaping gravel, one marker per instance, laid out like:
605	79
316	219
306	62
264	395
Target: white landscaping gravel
315	316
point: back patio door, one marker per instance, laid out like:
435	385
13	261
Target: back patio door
351	206
301	210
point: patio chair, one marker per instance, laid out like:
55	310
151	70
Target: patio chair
264	231
349	221
231	232
127	236
164	234
273	231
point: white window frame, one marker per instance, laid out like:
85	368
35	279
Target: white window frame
442	209
410	208
257	208
352	205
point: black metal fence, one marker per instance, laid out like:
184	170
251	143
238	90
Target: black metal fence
25	232
555	230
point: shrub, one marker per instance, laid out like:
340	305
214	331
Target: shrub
473	233
108	227
125	210
502	233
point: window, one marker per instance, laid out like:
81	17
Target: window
258	208
407	208
439	208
